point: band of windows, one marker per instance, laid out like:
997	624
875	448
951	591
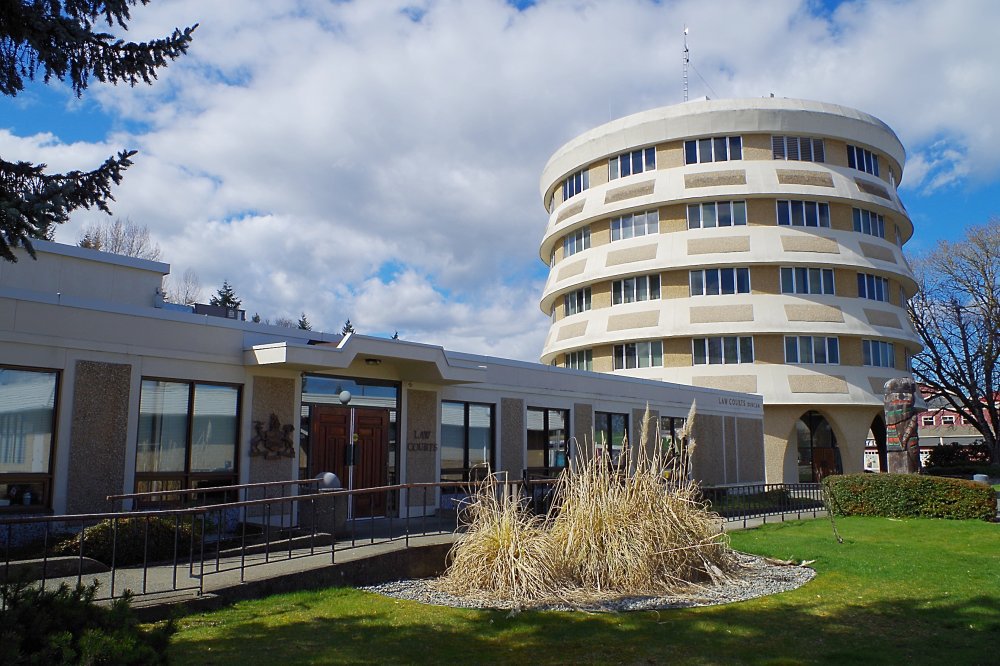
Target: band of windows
812	349
577	301
647	354
873	287
798	280
635	224
798	148
720	281
867	222
803	213
713	149
877	353
636	161
722	350
582	359
575	183
717	214
862	159
577	241
634	289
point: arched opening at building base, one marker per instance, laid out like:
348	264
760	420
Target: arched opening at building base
818	455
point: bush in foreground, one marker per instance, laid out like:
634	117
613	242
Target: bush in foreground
65	626
910	496
137	538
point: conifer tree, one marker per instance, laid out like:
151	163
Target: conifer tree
348	327
303	323
62	40
225	296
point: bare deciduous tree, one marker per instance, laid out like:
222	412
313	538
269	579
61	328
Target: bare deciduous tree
956	313
123	237
187	291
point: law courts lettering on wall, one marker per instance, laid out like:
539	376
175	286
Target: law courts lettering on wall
104	389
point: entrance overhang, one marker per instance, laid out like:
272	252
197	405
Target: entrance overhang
365	356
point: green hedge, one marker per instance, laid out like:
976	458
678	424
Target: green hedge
910	496
155	535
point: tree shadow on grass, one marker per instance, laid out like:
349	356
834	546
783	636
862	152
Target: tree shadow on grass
774	630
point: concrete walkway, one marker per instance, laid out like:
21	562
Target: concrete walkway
164	589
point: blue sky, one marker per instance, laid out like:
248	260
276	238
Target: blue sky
379	160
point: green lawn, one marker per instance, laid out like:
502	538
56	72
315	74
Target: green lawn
896	591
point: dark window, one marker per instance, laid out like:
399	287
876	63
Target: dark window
580	360
27	427
647	354
467	437
575	184
801	280
724	349
716	281
862	159
188	435
548	434
577	301
798	148
610	431
717	149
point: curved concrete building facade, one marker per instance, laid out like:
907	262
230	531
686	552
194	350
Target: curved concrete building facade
753	245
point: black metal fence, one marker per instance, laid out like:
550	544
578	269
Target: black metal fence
168	542
745	502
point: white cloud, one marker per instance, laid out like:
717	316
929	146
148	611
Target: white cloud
302	148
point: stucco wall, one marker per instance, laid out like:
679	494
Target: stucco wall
98	435
512	436
273	395
421	416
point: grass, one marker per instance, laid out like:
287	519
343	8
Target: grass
896	591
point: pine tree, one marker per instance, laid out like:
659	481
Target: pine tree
348	327
255	318
395	335
63	40
226	296
303	323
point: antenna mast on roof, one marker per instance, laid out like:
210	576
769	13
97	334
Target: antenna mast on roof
687	59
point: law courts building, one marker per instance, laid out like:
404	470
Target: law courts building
105	389
752	245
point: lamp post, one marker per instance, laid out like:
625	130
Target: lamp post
345	399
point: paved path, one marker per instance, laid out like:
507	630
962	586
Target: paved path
218	581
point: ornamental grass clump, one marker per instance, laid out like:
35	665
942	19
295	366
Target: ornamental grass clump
634	532
632	527
504	553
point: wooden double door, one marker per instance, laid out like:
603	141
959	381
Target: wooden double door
330	440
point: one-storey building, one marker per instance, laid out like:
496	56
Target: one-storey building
106	389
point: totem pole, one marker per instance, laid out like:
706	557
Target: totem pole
902	441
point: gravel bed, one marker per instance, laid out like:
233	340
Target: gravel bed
754	577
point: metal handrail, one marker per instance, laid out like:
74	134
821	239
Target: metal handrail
216	537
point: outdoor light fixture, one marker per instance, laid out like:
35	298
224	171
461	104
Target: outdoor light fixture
373	361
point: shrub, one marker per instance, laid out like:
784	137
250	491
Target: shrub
958	454
65	626
617	530
967	469
99	541
910	496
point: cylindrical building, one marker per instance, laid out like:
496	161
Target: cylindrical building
751	245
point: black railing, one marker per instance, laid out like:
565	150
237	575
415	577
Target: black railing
157	551
760	500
